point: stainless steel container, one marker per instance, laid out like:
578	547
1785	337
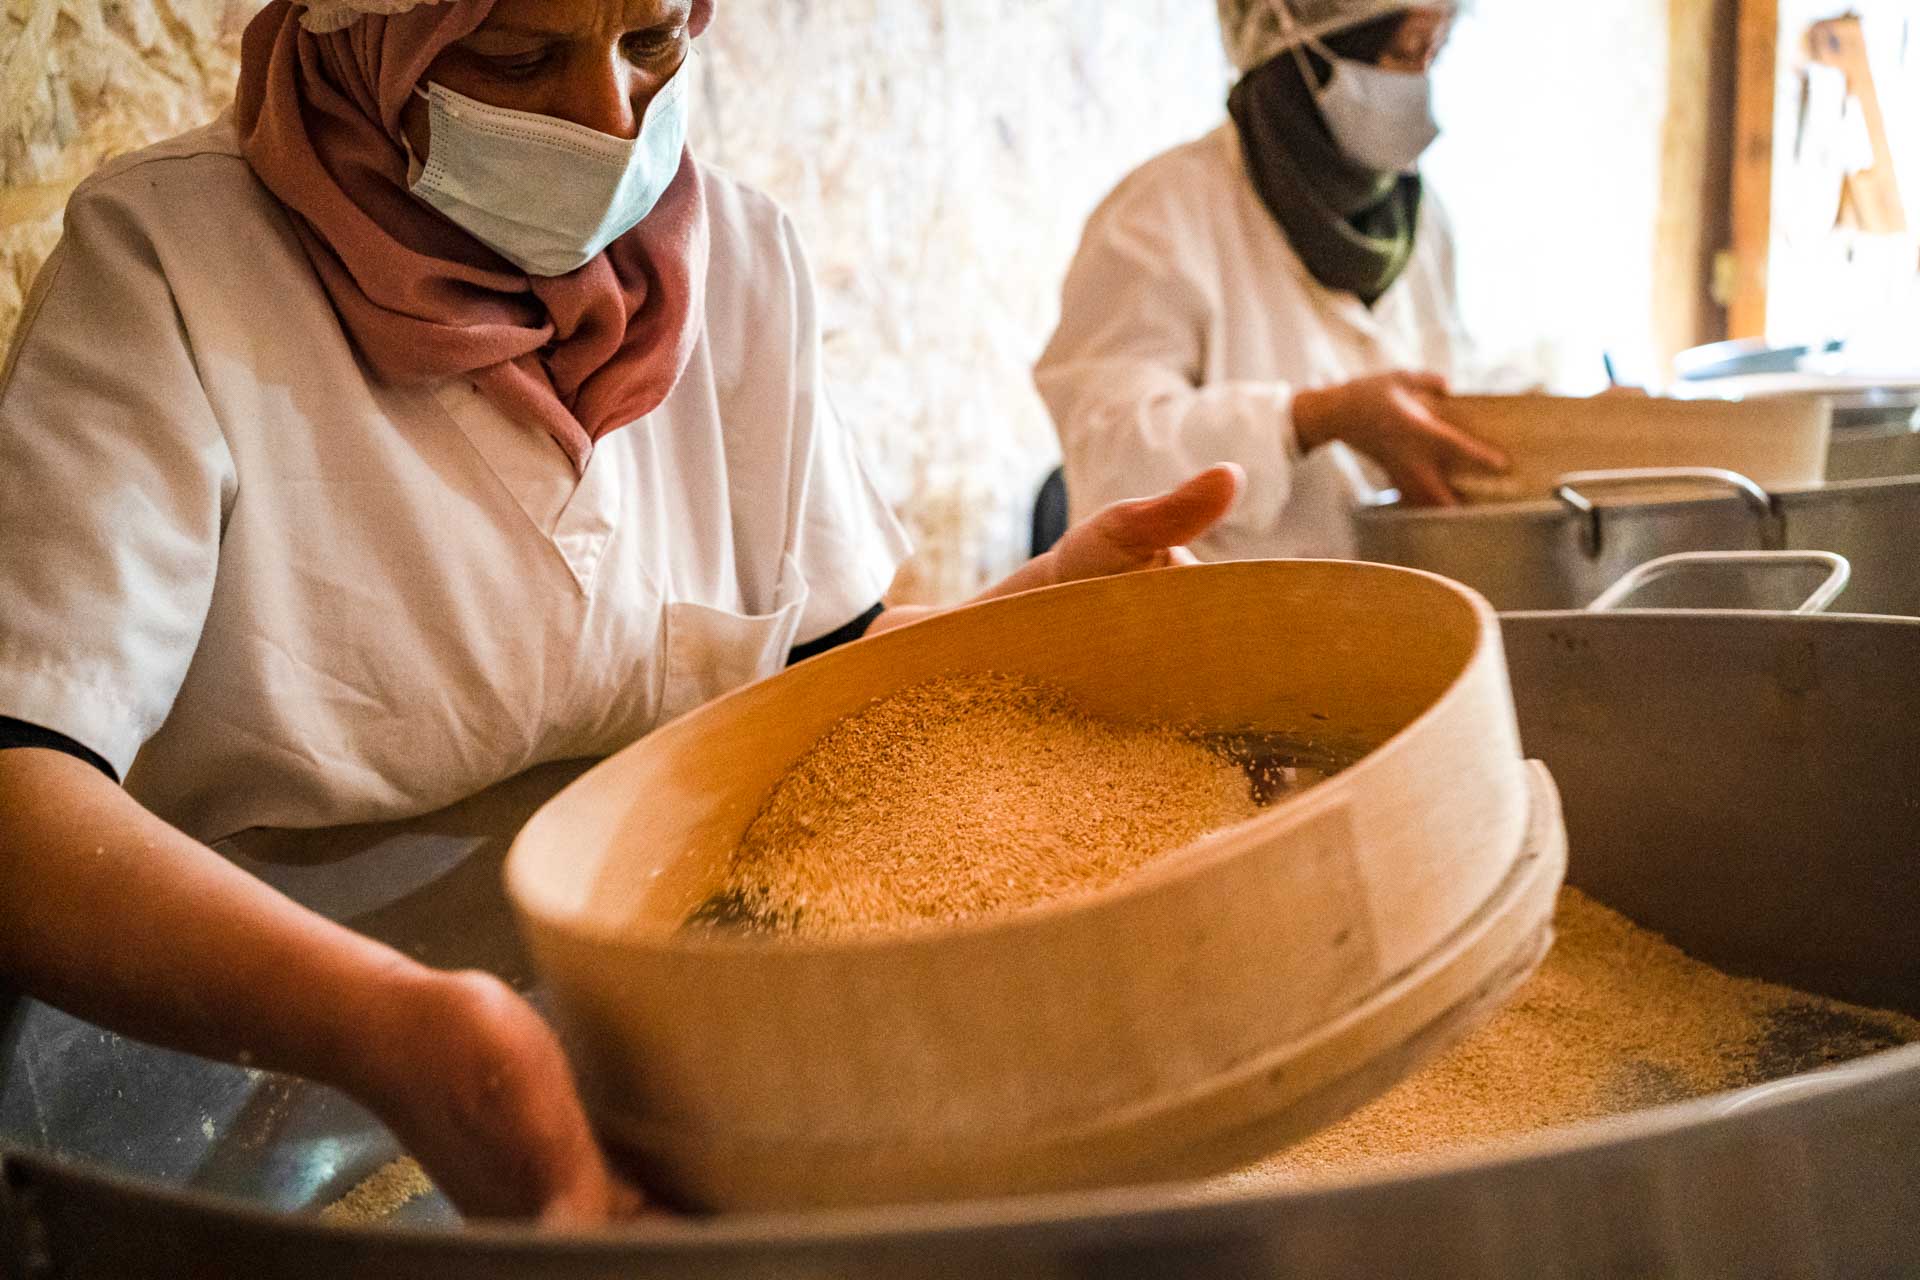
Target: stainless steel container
1562	551
1744	783
1876	432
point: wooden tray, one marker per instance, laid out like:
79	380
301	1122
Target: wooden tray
1261	982
1776	442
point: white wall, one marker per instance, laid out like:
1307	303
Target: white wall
1550	167
940	157
83	80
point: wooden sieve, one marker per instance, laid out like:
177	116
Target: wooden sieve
1272	976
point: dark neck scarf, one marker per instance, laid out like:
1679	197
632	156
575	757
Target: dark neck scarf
1352	226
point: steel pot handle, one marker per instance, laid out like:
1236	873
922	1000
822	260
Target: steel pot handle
1569	489
1838	571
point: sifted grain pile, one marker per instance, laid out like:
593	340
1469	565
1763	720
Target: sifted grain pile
1615	1020
963	797
379	1195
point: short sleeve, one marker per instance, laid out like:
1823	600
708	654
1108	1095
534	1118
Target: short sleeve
846	543
114	476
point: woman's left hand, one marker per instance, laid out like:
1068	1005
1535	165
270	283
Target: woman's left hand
476	1086
1146	533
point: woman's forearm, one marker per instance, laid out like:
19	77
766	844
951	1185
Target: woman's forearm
115	916
119	918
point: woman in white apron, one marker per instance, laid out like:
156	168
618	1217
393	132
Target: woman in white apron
1279	292
430	416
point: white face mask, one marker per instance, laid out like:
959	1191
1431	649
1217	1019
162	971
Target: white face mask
545	194
1381	119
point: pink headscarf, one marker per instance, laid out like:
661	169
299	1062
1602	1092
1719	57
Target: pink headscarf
579	355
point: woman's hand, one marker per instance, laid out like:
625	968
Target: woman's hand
1394	419
1147	533
474	1084
120	919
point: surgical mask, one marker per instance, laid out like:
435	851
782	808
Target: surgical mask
1380	119
545	194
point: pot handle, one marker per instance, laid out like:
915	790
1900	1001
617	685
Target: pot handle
1838	571
1571	489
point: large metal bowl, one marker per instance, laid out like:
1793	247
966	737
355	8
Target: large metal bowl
1743	783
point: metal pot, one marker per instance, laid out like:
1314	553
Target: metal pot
1876	432
1562	551
1741	782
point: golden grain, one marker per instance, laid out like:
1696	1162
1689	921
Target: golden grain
967	797
1616	1020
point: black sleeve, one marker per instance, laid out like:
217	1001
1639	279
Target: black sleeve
837	637
18	733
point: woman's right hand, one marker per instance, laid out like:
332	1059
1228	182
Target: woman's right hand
474	1084
1394	419
119	918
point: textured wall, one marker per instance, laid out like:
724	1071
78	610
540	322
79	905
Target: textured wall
81	80
940	157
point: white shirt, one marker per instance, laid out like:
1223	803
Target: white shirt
1188	322
273	592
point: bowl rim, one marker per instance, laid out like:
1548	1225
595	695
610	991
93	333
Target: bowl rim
1699	406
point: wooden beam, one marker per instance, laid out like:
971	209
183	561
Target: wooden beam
1696	174
1757	55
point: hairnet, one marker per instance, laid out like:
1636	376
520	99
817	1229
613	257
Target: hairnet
1255	31
322	16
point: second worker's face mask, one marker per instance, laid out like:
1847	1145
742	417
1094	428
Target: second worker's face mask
1380	119
547	194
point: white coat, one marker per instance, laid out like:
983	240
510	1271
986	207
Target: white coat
274	592
1188	322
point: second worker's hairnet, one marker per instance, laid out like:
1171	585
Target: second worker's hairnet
1255	30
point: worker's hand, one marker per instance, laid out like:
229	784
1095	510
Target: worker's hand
1395	419
472	1081
1147	533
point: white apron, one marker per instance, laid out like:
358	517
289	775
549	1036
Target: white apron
273	592
1188	322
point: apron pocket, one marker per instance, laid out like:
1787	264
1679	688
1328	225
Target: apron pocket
714	651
